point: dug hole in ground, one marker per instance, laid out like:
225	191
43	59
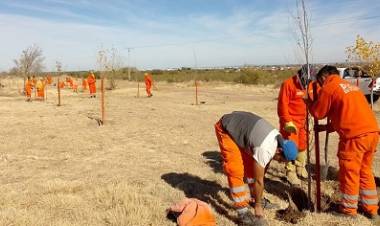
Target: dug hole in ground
59	167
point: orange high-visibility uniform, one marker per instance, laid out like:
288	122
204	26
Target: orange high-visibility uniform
84	84
351	117
238	164
193	212
91	80
291	107
40	89
28	88
61	84
70	82
148	84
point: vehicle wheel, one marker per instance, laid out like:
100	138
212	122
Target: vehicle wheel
375	98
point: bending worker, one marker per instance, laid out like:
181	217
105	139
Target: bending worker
291	110
248	143
351	117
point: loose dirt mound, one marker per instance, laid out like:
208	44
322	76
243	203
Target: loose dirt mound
297	203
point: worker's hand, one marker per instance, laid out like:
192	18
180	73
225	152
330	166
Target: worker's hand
290	127
259	211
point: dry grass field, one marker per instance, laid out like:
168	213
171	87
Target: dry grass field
58	167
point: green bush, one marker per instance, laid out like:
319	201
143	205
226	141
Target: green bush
244	76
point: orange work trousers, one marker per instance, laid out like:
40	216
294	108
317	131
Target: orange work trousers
41	93
28	92
357	182
237	165
92	88
148	87
299	138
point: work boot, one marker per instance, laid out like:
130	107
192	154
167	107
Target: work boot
300	165
291	174
248	219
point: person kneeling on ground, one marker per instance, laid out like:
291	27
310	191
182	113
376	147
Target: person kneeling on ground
248	143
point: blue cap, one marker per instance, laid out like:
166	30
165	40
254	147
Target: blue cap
289	148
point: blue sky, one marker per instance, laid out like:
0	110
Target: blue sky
175	33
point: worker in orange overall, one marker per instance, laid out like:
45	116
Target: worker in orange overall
61	84
148	84
28	89
248	143
40	86
84	84
352	118
291	110
69	81
91	80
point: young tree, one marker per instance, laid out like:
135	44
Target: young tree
304	39
30	61
109	61
367	55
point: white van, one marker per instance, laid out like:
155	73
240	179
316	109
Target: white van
357	76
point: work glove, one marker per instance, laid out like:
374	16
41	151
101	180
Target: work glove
290	127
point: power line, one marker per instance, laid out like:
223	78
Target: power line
348	20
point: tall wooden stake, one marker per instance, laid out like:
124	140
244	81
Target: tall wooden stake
46	91
317	156
59	93
196	92
138	89
102	100
23	88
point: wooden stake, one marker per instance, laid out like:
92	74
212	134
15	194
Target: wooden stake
59	93
102	100
317	156
196	92
138	89
46	91
23	88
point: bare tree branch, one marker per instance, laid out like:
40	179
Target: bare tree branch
30	61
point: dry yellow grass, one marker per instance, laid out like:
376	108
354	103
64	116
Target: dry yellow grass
58	167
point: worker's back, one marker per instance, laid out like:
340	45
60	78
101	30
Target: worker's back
349	111
246	129
291	105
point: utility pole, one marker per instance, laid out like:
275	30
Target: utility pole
129	64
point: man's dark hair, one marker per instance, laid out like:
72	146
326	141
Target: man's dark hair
327	70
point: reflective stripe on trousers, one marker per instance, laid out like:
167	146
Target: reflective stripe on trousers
368	197
349	201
